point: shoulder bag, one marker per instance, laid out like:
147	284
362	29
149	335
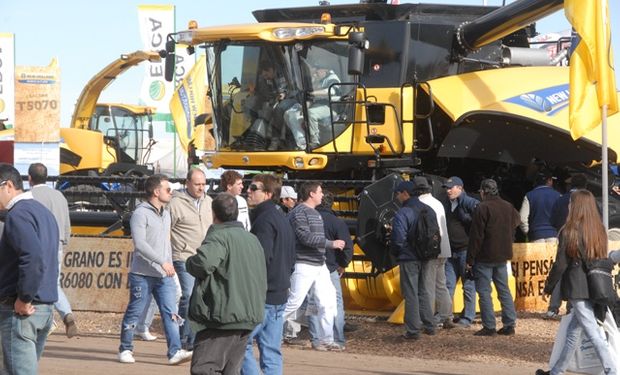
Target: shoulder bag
600	281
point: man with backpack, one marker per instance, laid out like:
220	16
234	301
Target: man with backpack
412	247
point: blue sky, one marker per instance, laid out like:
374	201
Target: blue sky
87	35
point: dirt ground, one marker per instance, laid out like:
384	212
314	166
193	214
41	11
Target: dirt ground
374	348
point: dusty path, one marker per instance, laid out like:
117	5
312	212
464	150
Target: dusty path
96	354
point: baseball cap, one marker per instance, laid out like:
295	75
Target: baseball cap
404	186
452	182
288	192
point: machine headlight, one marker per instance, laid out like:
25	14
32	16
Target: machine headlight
299	162
297	32
185	37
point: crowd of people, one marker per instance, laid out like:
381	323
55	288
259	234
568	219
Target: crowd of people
228	273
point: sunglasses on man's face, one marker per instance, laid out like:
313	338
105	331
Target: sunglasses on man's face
254	187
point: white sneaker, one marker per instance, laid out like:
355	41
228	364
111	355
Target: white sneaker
180	356
126	356
146	336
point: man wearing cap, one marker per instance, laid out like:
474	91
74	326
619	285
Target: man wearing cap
288	198
418	312
490	247
459	208
322	80
435	269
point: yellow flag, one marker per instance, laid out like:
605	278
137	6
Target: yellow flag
592	77
189	101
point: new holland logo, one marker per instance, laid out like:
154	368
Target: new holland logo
548	100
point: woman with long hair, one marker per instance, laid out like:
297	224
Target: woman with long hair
585	234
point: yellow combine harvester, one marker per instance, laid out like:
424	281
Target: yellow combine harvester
350	93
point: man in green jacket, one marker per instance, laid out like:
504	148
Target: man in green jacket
228	299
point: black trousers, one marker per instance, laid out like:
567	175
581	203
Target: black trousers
218	351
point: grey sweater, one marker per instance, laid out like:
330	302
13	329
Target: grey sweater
150	232
310	241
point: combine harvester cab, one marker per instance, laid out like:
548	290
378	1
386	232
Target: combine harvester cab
427	89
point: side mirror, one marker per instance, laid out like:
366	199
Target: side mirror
170	59
357	45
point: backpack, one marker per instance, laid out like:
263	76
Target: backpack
424	236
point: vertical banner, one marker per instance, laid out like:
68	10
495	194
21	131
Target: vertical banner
188	101
7	80
156	22
37	103
184	63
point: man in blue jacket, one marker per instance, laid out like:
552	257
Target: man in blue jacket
418	311
275	234
28	274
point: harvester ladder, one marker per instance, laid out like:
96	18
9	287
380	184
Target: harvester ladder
417	117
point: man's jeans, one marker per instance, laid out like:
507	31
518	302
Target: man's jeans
147	316
62	305
23	338
417	305
313	320
435	283
455	270
498	273
164	291
268	336
187	285
583	319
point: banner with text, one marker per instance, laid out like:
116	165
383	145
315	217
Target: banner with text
531	264
37	103
93	273
188	101
7	80
156	22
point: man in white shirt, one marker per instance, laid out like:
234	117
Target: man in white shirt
232	182
435	269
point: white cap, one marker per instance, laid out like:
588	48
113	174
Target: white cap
288	192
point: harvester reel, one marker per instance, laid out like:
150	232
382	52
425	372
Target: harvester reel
374	221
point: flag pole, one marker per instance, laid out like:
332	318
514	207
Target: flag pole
605	168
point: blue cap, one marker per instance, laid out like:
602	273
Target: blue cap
452	182
404	186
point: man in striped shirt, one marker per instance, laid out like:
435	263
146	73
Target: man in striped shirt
310	269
